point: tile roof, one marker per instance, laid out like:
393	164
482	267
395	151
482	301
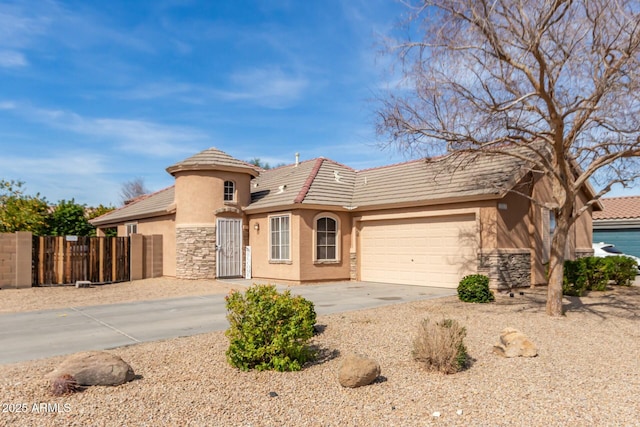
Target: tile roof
443	178
149	205
212	158
619	208
325	182
318	181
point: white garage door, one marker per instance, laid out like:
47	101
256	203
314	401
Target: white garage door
421	251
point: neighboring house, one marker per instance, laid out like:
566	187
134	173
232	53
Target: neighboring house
424	222
619	224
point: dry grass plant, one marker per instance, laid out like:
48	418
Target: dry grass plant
439	346
64	384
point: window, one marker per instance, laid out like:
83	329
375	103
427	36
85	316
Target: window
280	236
229	191
326	232
132	228
548	228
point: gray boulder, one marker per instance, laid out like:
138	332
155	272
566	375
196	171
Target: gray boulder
357	371
514	343
95	368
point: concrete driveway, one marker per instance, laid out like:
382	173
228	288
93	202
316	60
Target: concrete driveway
41	334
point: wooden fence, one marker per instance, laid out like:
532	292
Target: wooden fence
67	259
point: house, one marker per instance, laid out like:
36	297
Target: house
619	223
422	222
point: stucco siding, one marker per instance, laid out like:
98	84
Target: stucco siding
312	270
513	222
262	266
199	195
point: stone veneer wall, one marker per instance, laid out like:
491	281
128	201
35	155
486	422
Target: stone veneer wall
353	266
506	268
196	252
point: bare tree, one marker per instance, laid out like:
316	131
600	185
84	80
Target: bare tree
557	78
132	189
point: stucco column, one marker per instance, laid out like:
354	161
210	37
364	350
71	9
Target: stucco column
137	257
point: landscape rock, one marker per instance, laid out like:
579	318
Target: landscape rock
95	368
514	343
357	371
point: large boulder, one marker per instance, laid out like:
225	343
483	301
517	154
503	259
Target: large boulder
357	371
514	343
95	368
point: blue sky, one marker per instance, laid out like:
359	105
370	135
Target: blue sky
93	94
96	93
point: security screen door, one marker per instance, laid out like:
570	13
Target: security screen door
229	247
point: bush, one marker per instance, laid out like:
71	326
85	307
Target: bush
475	288
269	330
621	269
595	273
575	278
439	346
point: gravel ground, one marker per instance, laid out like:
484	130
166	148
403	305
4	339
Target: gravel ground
587	373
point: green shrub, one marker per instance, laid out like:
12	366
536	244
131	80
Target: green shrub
269	330
575	278
621	269
440	346
596	273
475	288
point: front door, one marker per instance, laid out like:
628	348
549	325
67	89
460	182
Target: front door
229	247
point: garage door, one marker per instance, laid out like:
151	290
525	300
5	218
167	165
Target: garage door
421	251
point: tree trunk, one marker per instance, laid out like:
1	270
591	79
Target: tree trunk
556	266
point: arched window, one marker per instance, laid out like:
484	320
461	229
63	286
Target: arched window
229	191
326	239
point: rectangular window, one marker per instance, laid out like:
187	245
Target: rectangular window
326	230
132	228
280	238
229	191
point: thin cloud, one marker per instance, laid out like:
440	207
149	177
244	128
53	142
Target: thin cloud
136	136
12	59
68	163
158	90
268	87
18	30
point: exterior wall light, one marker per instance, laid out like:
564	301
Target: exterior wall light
256	226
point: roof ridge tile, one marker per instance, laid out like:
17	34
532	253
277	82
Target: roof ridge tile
307	184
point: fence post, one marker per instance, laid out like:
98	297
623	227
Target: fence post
136	256
24	248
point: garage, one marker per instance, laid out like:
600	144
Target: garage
435	251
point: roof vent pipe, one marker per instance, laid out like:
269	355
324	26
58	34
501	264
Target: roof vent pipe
297	159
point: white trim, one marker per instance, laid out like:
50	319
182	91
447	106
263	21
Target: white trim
269	218
229	247
337	257
224	191
128	226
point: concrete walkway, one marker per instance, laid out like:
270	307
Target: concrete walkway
41	334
